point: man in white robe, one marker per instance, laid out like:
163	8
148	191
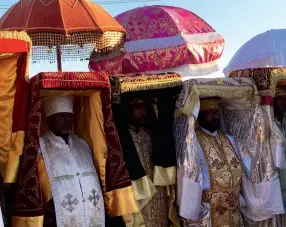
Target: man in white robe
74	184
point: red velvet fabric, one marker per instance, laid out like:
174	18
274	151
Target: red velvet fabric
28	199
267	100
116	172
21	97
13	46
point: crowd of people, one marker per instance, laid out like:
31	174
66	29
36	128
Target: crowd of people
143	149
163	191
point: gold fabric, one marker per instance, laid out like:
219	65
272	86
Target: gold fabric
118	202
155	213
210	91
11	144
134	220
130	82
225	171
18	36
173	216
276	221
191	223
144	190
28	221
121	202
44	179
206	104
13	161
223	88
164	176
277	76
280	91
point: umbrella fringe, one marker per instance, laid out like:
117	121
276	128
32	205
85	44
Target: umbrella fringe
173	41
15	35
150	86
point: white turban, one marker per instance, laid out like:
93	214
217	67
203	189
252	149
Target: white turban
58	104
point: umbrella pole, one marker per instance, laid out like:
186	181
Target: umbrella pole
59	59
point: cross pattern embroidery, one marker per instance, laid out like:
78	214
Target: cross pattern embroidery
93	197
69	202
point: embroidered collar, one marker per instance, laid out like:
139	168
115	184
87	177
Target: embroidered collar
57	140
133	129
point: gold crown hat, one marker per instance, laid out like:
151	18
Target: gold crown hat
209	103
280	91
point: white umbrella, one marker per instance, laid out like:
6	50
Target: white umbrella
266	50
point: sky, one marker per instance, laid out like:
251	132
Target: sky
237	20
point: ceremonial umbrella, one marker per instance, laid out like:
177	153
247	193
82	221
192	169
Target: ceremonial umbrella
266	50
162	39
262	58
64	29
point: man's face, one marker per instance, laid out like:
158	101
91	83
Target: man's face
137	114
280	106
210	119
61	123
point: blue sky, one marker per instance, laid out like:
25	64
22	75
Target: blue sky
236	20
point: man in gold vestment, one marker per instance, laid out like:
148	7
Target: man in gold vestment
221	171
155	212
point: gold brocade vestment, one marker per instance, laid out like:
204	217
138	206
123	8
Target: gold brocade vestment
225	172
155	212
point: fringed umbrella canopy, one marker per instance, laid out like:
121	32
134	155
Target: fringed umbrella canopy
64	29
266	50
162	39
262	58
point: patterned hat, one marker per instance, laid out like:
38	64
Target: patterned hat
280	91
209	103
58	104
136	101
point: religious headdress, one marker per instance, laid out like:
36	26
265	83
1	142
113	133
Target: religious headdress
136	101
280	91
209	103
58	104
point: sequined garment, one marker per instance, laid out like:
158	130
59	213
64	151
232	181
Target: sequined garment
74	182
276	221
155	213
225	172
280	137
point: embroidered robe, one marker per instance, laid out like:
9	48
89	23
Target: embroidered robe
73	181
155	212
279	154
222	173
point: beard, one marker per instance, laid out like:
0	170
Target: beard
66	131
213	126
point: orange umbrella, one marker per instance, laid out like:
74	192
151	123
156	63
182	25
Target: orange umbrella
64	29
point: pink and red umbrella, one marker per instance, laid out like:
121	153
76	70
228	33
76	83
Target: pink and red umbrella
164	38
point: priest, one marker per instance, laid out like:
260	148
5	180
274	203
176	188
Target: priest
217	200
221	167
146	139
279	140
67	174
154	212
